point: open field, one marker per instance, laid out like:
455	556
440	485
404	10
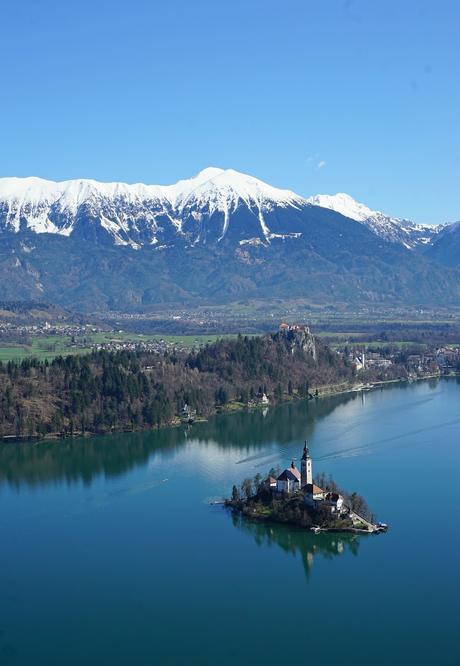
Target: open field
190	328
355	340
48	347
11	353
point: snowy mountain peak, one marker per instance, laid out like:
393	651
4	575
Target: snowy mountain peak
222	189
208	173
394	229
344	204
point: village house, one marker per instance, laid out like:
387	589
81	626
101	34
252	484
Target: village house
264	400
187	414
360	362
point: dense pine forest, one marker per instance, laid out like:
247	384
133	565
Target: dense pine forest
116	391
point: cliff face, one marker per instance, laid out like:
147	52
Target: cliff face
298	337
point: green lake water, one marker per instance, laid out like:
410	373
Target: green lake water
110	552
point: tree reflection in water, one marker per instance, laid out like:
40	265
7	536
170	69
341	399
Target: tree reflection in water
73	460
300	542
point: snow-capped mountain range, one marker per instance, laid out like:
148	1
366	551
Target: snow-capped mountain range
219	237
216	204
138	214
394	229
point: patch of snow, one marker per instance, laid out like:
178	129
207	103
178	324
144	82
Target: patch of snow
251	241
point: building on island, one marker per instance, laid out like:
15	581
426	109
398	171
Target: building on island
291	481
334	501
306	467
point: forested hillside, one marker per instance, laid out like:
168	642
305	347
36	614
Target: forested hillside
104	392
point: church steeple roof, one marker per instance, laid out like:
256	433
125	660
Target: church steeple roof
305	451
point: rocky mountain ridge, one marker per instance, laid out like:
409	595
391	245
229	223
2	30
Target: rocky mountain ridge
219	237
155	215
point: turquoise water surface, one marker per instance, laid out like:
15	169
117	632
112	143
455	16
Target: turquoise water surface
110	552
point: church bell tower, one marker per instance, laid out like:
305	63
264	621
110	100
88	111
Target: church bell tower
306	470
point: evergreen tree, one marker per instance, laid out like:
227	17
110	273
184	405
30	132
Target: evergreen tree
235	494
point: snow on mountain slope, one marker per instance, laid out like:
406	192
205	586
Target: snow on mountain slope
223	192
134	214
344	204
221	189
394	229
215	204
45	206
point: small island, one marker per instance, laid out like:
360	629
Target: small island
294	498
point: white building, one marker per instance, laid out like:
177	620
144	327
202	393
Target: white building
314	495
360	362
271	483
306	467
289	480
334	501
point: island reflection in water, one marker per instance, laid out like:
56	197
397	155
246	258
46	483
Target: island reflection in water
298	542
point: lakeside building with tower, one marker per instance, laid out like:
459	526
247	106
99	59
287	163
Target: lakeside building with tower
291	480
294	498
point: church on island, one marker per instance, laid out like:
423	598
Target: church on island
291	481
294	498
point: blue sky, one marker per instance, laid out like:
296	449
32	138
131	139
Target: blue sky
318	96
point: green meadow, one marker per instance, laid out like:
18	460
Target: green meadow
48	347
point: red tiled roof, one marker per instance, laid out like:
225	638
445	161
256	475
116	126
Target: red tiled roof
313	489
290	473
296	472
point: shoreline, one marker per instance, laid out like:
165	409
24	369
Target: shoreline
314	529
356	388
326	391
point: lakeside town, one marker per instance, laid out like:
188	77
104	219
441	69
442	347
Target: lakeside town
414	363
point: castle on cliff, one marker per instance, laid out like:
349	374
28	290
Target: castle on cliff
298	336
